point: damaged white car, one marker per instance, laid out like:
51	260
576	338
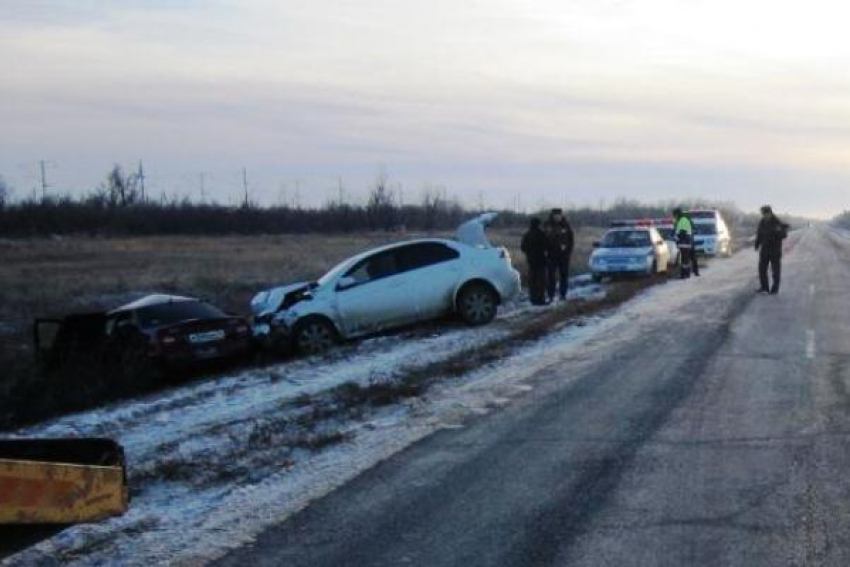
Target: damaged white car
392	286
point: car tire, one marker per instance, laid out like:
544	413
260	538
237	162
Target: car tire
477	304
597	278
314	335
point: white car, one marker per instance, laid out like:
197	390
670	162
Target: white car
667	233
665	229
389	287
629	250
711	235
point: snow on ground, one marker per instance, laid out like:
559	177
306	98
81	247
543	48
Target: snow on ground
220	493
190	519
192	456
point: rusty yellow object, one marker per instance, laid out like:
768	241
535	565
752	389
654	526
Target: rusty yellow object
34	492
61	481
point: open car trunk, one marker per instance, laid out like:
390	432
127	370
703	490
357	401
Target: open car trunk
61	481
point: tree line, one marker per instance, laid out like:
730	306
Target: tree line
118	207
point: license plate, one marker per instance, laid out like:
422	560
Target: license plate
209	336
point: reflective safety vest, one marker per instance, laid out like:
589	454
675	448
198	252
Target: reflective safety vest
684	224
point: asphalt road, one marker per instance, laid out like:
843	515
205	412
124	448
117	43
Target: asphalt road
728	447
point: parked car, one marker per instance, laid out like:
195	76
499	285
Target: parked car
629	250
391	286
665	229
171	331
668	234
711	235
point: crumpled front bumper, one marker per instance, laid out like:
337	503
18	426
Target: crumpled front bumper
271	332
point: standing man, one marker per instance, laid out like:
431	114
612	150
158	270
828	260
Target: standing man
771	233
561	241
534	246
683	230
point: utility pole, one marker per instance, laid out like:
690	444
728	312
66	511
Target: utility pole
341	193
203	192
43	181
142	181
297	193
283	196
245	185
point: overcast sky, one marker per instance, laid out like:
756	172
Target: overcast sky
576	101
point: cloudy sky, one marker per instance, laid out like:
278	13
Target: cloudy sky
546	101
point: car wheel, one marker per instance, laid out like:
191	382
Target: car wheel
597	278
654	270
314	335
477	304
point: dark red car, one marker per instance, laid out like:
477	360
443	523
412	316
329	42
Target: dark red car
170	330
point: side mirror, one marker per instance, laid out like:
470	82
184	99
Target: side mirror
346	282
596	244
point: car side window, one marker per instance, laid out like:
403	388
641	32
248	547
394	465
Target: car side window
375	267
424	254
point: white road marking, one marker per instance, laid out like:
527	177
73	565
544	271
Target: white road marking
810	344
812	290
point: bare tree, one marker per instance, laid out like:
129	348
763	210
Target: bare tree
120	190
381	205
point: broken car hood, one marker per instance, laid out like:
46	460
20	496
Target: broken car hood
270	300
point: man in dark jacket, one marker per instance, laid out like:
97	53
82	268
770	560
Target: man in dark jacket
561	239
771	233
534	246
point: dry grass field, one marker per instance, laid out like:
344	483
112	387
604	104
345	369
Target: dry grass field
50	276
41	277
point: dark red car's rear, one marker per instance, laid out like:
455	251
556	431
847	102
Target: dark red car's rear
196	341
180	331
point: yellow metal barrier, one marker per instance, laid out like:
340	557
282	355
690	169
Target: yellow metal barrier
36	486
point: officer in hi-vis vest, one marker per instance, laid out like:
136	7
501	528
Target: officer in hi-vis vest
683	228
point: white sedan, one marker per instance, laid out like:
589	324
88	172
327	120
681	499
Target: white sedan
638	250
391	286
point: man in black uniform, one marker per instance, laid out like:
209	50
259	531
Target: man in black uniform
534	246
561	239
771	233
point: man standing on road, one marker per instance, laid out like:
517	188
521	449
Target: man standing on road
534	246
561	240
683	230
771	233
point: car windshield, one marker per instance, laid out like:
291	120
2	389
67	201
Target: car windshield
337	270
626	239
176	312
705	228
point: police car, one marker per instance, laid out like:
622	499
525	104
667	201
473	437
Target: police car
639	250
711	235
665	229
